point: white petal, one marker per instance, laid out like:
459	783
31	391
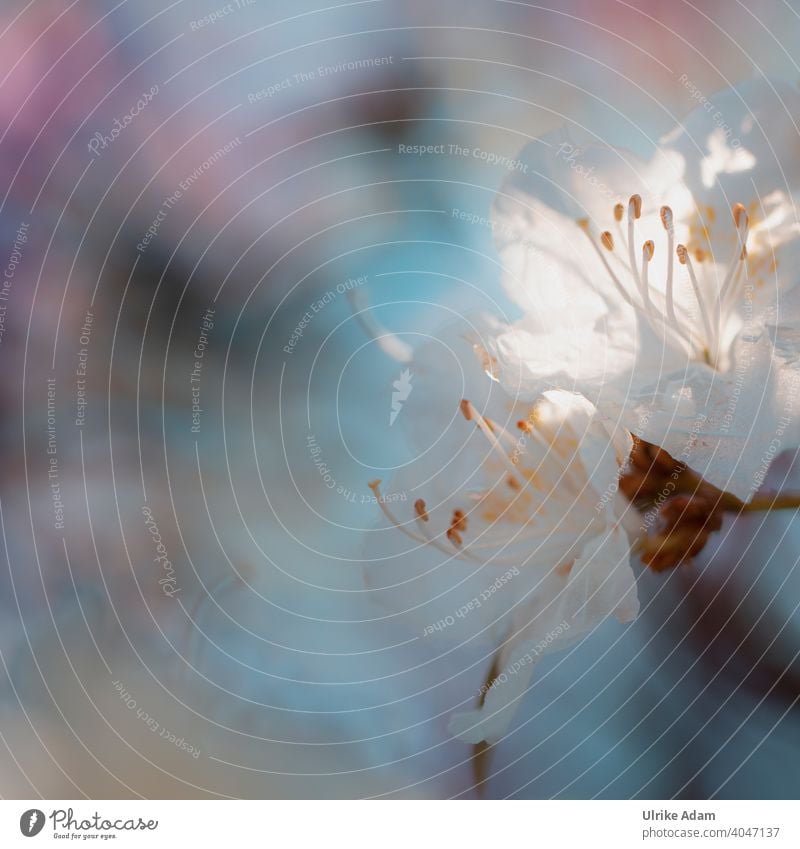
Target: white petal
581	357
550	268
727	427
600	583
745	138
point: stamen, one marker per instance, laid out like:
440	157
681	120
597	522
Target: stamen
619	215
375	486
685	335
458	525
390	343
653	316
488	362
463	555
740	266
421	511
742	222
668	223
634	212
584	225
683	257
648	249
475	416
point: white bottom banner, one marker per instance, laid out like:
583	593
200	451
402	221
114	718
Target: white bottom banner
402	823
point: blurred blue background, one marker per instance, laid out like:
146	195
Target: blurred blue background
189	183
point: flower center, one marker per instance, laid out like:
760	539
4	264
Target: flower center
702	340
530	468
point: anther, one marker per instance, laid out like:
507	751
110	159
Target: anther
466	410
648	249
740	215
454	537
421	510
666	218
635	206
607	240
619	211
683	254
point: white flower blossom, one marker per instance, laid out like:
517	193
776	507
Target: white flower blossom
662	289
516	527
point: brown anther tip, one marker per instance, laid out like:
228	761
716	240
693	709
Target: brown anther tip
636	204
699	254
666	217
607	240
738	212
420	509
374	484
454	537
583	223
466	410
683	254
619	211
524	426
459	520
648	249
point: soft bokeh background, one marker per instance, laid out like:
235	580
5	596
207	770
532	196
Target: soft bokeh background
271	666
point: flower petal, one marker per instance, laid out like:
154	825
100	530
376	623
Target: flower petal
600	583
